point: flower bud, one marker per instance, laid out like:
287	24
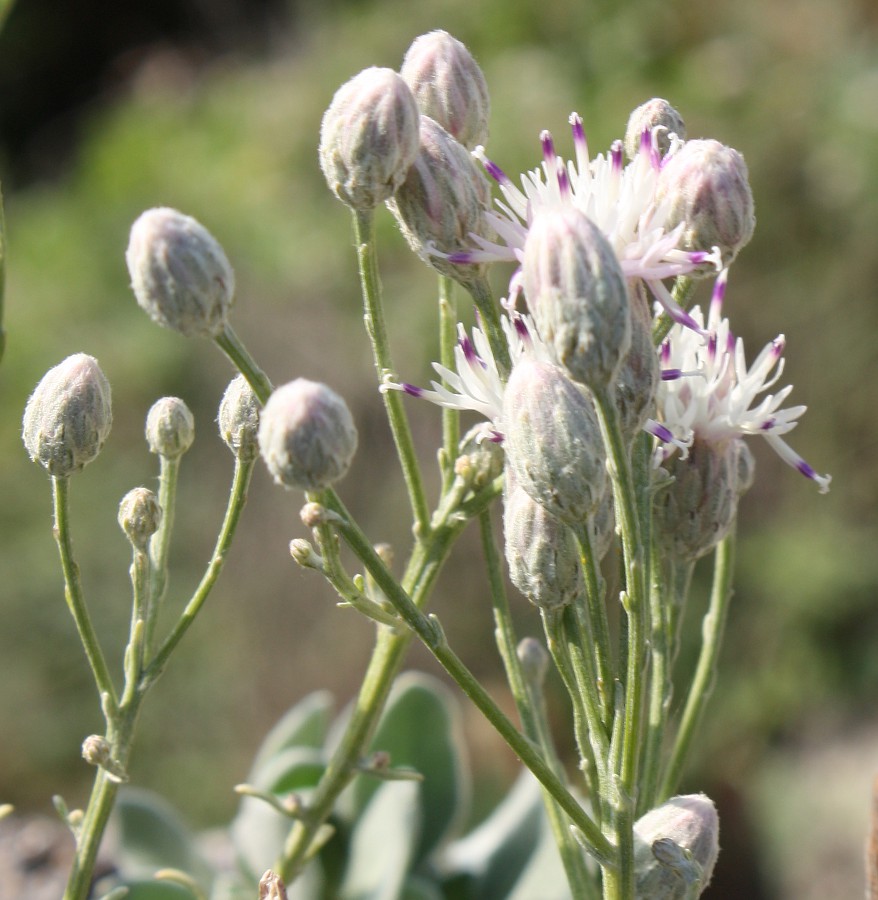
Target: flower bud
68	417
449	86
271	887
479	459
577	294
675	848
140	516
553	442
96	750
541	552
442	202
369	138
180	274
655	113
307	435
534	660
239	419
170	427
707	188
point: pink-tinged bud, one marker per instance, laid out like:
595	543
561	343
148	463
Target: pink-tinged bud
307	435
449	86
170	427
655	113
577	294
675	848
180	274
238	419
553	442
68	417
707	188
442	202
140	516
369	138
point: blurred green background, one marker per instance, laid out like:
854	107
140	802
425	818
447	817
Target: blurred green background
219	117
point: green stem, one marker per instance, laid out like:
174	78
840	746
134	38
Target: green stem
447	343
4	10
704	678
481	293
373	316
231	345
684	288
73	591
159	546
135	651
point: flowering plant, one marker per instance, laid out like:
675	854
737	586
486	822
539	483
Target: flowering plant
612	431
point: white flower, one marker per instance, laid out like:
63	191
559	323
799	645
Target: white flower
619	199
708	392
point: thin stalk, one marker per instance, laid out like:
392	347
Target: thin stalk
447	343
684	288
373	316
159	545
5	6
704	678
490	321
229	342
135	651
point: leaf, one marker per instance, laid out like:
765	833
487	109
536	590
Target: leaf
157	890
304	725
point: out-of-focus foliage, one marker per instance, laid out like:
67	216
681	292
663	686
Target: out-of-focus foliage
233	142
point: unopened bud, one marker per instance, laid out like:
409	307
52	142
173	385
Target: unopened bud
68	416
140	516
655	113
534	660
675	848
707	188
180	274
238	419
553	442
479	459
541	552
96	750
170	427
449	86
305	555
640	372
369	138
577	294
307	435
271	887
442	202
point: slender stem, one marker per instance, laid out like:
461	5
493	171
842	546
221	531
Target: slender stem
5	6
704	678
73	591
373	316
229	342
490	320
135	651
160	544
447	343
684	288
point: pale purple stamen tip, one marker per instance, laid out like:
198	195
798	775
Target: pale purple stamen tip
563	180
777	346
461	258
412	390
768	424
521	329
616	155
578	130
671	374
468	350
666	352
665	435
548	147
496	437
495	171
719	291
711	347
806	470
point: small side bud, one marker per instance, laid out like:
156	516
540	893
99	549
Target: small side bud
180	274
369	138
577	294
304	554
707	188
307	435
442	202
140	516
170	427
449	86
238	419
96	750
553	441
675	848
271	887
534	660
479	460
68	416
655	113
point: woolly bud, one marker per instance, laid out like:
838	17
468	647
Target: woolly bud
238	419
541	552
706	186
271	887
140	516
553	442
655	113
180	274
577	294
675	848
534	660
170	427
307	435
479	459
442	202
369	138
449	86
68	417
96	750
697	510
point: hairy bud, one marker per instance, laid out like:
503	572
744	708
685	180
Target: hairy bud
442	202
577	294
140	516
180	274
449	86
369	138
170	427
655	113
479	459
238	419
534	659
68	417
706	186
307	435
553	442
